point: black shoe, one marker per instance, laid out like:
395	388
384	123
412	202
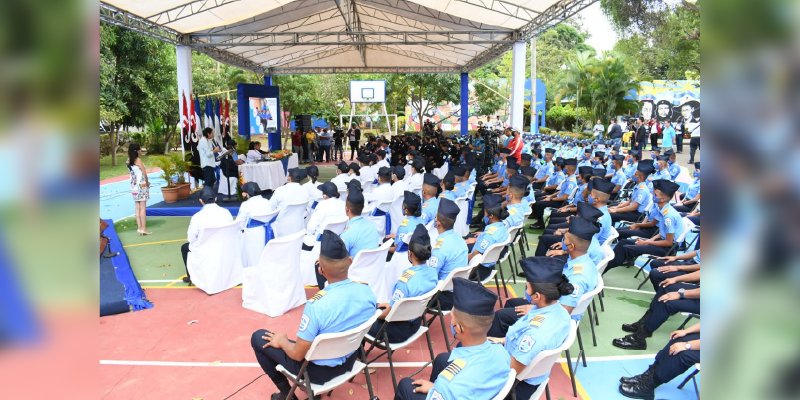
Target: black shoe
644	388
278	396
631	342
538	225
521	274
187	280
631	328
630	380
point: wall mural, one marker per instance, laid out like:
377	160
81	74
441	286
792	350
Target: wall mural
676	101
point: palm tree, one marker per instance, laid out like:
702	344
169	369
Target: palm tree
611	80
575	78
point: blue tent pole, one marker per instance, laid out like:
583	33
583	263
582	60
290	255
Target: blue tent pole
464	104
267	80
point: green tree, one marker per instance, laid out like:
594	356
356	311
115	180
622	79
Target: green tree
426	91
610	80
298	95
575	79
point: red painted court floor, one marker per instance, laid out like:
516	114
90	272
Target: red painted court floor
195	346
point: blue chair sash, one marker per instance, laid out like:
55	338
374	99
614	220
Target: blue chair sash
268	232
401	248
314	204
377	213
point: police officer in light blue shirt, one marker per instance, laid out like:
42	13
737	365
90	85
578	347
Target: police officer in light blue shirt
692	196
517	205
478	368
619	179
430	197
411	218
415	281
461	184
360	233
495	232
580	269
586	159
661	169
449	249
448	186
545	326
641	198
545	171
672	167
341	306
632	163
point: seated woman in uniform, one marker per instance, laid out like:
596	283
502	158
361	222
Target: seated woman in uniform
415	281
411	218
546	325
496	232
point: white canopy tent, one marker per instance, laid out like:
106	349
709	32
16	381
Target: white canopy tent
276	37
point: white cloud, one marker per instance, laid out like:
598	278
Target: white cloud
603	37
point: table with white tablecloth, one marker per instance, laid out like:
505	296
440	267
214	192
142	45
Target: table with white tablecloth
293	161
268	174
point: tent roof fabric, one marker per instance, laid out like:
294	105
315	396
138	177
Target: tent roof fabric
343	36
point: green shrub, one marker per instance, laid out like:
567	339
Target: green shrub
544	130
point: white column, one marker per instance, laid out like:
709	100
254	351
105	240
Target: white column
534	122
517	84
184	75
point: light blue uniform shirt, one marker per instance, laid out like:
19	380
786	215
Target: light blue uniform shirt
429	209
669	137
693	190
472	176
577	196
407	225
630	170
340	306
661	174
414	281
493	234
449	252
605	225
461	188
567	185
531	197
448	194
619	178
545	171
541	329
643	195
670	222
360	234
516	213
610	167
674	170
556	178
474	372
595	250
582	274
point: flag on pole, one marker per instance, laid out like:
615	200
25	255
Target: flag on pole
184	121
215	116
197	111
192	119
227	123
207	112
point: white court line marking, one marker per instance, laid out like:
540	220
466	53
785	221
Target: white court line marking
407	364
160	280
630	290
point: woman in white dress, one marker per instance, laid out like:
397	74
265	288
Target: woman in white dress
140	187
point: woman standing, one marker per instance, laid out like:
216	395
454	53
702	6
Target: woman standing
140	187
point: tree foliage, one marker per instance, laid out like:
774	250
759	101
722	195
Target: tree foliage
426	91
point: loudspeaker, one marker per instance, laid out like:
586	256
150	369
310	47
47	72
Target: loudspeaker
303	122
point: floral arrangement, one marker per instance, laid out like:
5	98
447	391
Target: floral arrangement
279	154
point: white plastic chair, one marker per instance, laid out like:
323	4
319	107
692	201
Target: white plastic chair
380	220
446	285
678	243
493	255
308	258
396	266
369	266
583	306
462	221
274	287
290	219
543	363
407	309
332	345
396	213
253	242
216	265
512	375
612	237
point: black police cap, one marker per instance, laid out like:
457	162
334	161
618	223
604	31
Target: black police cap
584	170
431	179
542	269
458	170
570	161
297	174
251	188
473	298
354	185
588	211
449	177
518	181
583	228
420	235
411	200
355	197
646	167
603	185
329	189
385	172
665	186
448	208
399	171
528	171
331	246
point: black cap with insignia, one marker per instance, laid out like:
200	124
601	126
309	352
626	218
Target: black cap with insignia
312	171
354	185
603	185
600	154
342	166
542	269
431	179
528	171
646	167
662	158
583	228
588	211
418	163
584	170
354	167
473	298
399	171
448	208
355	197
570	161
550	150
385	172
331	246
297	174
420	236
619	157
518	181
411	200
665	186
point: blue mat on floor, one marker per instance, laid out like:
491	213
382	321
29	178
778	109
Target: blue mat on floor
119	289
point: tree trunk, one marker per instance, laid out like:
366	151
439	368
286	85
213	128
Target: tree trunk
114	139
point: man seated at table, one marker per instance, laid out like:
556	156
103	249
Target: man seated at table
292	192
342	306
210	215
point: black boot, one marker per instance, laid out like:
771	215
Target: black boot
631	328
644	388
629	380
634	341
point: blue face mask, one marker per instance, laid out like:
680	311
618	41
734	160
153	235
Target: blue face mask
630	161
590	200
655	199
670	162
595	162
528	297
486	220
563	245
658	167
453	330
696	174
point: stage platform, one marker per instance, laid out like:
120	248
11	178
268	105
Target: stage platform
189	206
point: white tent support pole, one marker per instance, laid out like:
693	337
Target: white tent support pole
183	58
517	84
388	125
352	111
534	119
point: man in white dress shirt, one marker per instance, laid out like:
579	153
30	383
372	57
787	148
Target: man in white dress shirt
206	149
254	204
383	193
211	215
292	192
382	161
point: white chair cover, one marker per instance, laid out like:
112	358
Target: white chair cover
216	265
396	213
253	242
291	218
369	267
273	286
462	224
380	220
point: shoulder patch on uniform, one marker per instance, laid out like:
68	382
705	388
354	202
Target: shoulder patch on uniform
512	211
577	268
317	296
303	323
491	230
439	243
405	222
526	344
453	369
537	320
407	274
665	211
436	395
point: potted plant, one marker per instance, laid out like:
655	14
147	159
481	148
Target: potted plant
168	169
181	168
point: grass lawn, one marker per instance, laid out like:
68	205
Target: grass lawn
108	171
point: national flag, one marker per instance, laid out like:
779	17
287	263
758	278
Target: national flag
184	119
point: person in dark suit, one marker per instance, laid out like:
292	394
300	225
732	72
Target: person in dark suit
641	134
353	136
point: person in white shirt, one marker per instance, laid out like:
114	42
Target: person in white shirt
206	149
253	154
342	176
312	184
597	130
399	185
417	171
382	161
330	208
291	192
211	215
254	204
368	172
383	193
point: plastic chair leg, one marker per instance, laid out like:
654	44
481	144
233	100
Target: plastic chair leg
571	375
594	338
